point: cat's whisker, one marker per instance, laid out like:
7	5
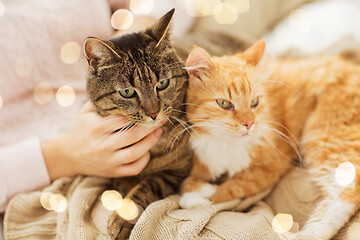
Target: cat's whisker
111	131
276	150
172	65
119	132
215	124
190	104
124	129
172	124
184	124
172	141
286	139
287	130
267	135
111	119
176	110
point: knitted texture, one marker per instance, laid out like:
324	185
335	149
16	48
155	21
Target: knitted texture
86	218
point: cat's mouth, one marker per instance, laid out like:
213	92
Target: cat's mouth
245	134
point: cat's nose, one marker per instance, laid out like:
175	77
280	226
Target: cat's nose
154	115
248	124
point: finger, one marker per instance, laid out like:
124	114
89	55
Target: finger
104	125
116	123
134	152
133	135
133	168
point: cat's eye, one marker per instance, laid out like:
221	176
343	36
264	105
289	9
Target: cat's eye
127	93
225	104
254	103
162	84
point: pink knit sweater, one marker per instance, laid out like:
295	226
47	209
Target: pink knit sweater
32	34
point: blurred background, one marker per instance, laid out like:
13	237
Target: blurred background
41	44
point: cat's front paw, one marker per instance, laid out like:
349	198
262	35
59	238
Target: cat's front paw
119	228
207	190
193	200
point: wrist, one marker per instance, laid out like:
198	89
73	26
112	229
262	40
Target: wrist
56	159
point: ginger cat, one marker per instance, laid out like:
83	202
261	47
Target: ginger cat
246	119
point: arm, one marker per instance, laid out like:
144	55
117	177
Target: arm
90	148
22	168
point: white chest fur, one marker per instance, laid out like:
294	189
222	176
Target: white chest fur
220	155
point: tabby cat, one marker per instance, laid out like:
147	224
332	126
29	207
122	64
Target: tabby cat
247	116
140	76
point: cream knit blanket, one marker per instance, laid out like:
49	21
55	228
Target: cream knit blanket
86	218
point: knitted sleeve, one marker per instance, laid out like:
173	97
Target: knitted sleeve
22	168
38	29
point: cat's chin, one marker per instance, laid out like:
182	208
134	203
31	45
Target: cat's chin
238	137
245	136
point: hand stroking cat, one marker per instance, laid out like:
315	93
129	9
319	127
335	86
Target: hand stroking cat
250	121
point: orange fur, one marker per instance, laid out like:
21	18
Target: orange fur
311	104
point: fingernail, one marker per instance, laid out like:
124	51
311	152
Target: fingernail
158	132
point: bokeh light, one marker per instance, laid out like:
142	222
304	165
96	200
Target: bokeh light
291	234
282	222
122	19
58	202
241	6
206	6
55	202
111	200
299	20
2	8
345	174
191	7
225	13
141	6
43	93
70	52
65	96
128	210
45	200
1	102
23	66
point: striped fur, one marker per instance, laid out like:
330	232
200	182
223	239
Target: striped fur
140	61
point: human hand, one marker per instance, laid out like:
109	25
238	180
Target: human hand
95	147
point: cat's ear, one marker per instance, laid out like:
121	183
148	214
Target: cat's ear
254	53
99	52
160	30
199	63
